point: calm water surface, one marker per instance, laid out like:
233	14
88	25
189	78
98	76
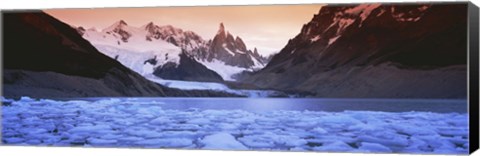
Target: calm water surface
310	104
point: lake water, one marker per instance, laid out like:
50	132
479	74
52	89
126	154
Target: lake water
311	104
328	125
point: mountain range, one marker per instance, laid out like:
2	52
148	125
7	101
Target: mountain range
161	51
46	58
345	51
375	50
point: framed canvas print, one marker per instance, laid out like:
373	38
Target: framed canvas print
353	78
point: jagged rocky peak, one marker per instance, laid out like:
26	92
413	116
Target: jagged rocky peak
150	27
119	28
255	53
121	24
193	35
221	29
150	24
225	38
185	39
80	30
170	30
152	31
231	50
240	44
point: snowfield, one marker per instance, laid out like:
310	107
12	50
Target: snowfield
133	123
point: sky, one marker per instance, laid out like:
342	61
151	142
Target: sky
266	27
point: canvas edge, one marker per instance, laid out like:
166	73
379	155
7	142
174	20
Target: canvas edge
1	73
473	58
473	87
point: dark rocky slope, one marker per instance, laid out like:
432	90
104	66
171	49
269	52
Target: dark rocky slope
188	70
375	51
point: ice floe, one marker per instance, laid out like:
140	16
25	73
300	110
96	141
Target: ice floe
133	123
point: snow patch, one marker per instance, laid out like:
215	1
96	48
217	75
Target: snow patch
228	50
224	70
316	38
333	39
222	141
363	10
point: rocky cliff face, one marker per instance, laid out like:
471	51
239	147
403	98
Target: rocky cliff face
44	57
231	50
187	40
342	43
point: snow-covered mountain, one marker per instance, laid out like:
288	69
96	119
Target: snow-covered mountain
56	61
130	46
187	40
147	49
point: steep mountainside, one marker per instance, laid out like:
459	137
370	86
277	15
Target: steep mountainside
136	48
408	50
44	57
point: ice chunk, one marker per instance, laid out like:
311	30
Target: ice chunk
453	132
180	134
145	133
36	131
414	130
227	126
388	142
200	121
89	129
160	121
335	146
26	99
257	141
101	142
13	140
291	141
170	142
130	138
374	147
33	142
319	130
223	141
111	136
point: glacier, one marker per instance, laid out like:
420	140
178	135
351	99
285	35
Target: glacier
193	85
113	122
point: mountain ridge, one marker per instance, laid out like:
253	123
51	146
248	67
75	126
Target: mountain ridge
154	39
341	43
